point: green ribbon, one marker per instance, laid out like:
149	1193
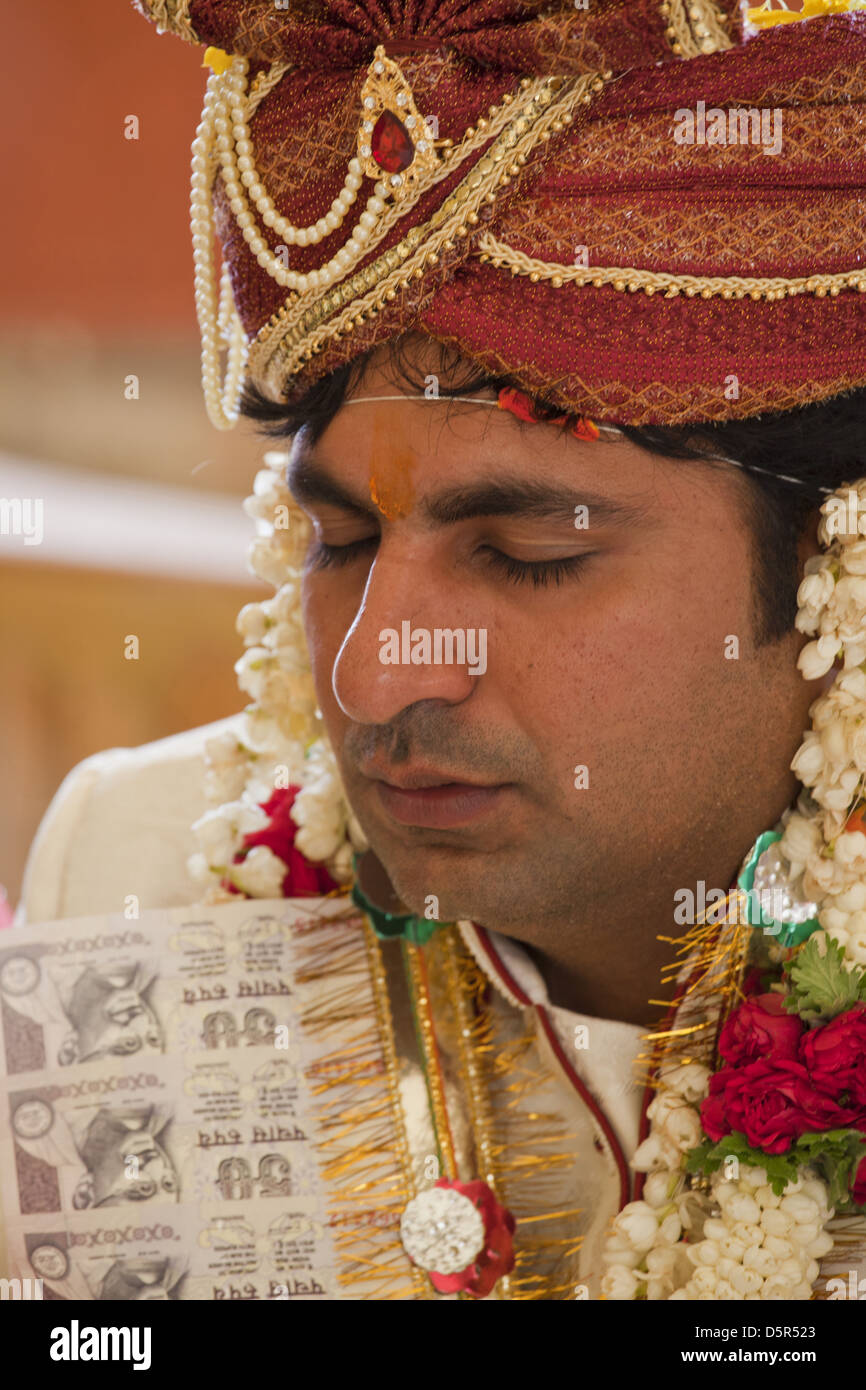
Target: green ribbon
388	925
784	933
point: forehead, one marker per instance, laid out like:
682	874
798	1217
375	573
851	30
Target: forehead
452	433
444	461
396	417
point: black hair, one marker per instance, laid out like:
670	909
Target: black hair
792	459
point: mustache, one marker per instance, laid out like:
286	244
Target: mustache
431	733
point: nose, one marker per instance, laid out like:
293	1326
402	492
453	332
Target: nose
405	585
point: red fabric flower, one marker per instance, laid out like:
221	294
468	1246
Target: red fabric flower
520	404
760	1027
303	879
772	1103
497	1257
835	1054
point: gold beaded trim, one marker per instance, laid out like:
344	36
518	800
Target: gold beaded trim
654	282
282	348
694	27
416	967
477	1100
385	1024
170	16
299	304
263	83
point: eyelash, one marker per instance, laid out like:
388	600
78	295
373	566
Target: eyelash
539	573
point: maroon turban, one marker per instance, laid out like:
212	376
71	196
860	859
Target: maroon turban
674	233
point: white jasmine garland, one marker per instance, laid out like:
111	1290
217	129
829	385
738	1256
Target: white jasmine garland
283	742
227	770
738	1240
731	1238
689	1080
826	857
761	1245
221	831
260	875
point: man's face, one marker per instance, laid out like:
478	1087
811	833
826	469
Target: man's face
118	1022
137	1170
612	728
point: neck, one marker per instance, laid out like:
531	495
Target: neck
610	964
590	986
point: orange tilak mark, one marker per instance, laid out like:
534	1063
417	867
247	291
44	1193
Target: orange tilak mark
391	484
394	496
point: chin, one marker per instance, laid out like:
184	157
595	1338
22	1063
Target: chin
451	875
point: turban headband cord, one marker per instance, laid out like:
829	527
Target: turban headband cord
518	403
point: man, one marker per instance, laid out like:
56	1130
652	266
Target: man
563	407
110	1015
126	1161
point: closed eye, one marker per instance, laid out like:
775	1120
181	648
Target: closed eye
539	573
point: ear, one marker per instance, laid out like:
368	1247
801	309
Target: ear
83	1195
68	1053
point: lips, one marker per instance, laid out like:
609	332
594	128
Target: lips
439	805
419	778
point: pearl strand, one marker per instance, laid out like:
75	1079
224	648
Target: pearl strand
281	226
238	347
221	402
239	173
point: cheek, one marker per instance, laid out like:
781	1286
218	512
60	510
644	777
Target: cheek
624	649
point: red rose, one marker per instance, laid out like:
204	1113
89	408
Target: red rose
752	980
835	1053
303	879
772	1103
760	1027
497	1257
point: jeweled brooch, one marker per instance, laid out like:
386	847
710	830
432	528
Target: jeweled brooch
395	144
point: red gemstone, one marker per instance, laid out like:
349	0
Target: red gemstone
391	144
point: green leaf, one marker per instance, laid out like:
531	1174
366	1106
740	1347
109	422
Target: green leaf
821	985
835	1155
697	1159
707	1158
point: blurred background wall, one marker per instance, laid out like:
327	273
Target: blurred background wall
143	531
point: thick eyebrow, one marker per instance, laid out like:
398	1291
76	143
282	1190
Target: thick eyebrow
502	495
